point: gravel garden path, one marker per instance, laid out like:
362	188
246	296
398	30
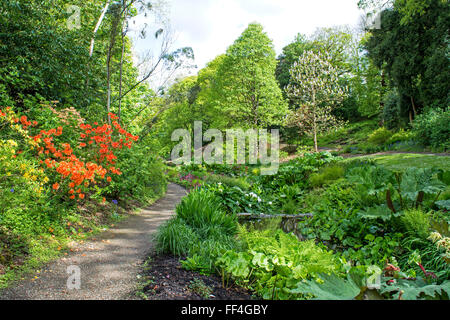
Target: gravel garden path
109	265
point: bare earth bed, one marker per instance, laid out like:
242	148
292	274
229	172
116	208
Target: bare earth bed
166	280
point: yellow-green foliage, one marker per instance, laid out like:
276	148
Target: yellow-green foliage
401	135
380	136
172	173
275	262
326	175
416	222
10	165
22	186
229	181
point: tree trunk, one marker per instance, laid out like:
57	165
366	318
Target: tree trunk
121	63
414	107
97	26
112	41
91	47
316	147
108	81
383	85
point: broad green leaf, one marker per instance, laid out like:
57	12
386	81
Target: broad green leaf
378	212
412	290
333	288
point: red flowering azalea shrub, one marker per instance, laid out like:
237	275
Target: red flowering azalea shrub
78	157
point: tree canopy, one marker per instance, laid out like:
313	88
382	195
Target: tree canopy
415	54
245	84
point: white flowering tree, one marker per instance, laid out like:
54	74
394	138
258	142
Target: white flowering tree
315	90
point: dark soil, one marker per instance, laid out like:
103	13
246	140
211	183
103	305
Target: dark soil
165	279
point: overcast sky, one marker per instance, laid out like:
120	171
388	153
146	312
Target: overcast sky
210	26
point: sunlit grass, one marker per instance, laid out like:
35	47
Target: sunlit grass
403	161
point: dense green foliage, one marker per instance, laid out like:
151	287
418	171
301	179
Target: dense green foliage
68	166
273	263
314	89
420	73
83	137
366	217
246	87
432	128
201	231
236	90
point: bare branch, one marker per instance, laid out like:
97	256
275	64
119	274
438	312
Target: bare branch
97	26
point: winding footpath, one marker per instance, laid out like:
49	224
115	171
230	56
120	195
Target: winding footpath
109	265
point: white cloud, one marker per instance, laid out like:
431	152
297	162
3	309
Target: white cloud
210	26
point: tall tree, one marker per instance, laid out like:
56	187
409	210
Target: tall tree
245	87
289	56
115	22
337	42
42	58
315	89
367	84
415	55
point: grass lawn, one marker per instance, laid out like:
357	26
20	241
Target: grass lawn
403	161
351	134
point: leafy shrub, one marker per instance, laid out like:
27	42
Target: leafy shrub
289	196
283	154
302	150
289	206
25	197
142	175
229	181
236	170
392	193
375	250
192	168
44	167
236	200
337	224
326	175
297	170
204	253
392	111
371	148
432	128
401	136
355	216
380	136
416	222
73	169
273	263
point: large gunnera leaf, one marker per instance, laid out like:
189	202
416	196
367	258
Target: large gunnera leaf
333	288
